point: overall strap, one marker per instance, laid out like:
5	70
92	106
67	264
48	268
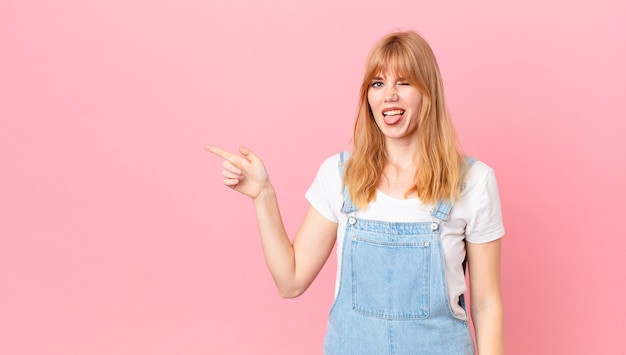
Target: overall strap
348	206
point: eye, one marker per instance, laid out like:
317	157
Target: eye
377	84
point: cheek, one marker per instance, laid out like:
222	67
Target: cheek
372	99
416	98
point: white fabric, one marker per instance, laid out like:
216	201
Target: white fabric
475	217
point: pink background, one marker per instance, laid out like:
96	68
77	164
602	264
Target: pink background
117	237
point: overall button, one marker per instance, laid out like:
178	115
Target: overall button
352	220
434	226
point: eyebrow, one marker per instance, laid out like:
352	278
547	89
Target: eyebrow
382	79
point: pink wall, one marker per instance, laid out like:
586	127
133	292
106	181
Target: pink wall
116	236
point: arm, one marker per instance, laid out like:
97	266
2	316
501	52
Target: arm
295	265
486	301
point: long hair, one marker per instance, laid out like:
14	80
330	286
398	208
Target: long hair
440	165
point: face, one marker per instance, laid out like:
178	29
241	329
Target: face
396	106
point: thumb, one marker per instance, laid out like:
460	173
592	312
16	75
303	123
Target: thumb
247	153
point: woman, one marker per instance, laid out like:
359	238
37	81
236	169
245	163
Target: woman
406	209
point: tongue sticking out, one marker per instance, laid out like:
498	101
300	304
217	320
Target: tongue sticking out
392	119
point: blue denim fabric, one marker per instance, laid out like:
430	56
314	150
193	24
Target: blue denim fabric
393	295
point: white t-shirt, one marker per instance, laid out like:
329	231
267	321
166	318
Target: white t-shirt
475	218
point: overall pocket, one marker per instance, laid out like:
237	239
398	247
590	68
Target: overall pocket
391	279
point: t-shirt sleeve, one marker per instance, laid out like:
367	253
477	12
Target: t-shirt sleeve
485	222
326	188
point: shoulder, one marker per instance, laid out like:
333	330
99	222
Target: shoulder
480	204
480	188
332	165
329	171
479	174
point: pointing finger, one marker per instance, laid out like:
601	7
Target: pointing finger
221	153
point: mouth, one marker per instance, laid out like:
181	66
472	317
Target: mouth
393	113
392	116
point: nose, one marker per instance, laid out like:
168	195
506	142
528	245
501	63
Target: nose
390	93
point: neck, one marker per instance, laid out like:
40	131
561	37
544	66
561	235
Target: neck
402	155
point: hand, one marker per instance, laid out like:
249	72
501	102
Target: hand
245	174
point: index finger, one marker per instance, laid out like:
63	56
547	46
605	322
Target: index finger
221	152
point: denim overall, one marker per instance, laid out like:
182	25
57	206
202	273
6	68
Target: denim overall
393	296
